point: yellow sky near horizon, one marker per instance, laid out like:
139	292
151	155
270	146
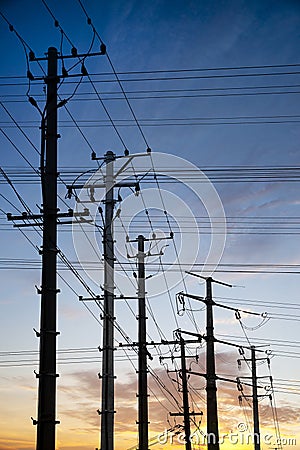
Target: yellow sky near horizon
79	429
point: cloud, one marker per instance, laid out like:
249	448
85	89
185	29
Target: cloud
286	415
164	397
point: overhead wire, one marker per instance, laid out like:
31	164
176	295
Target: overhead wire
90	80
168	122
89	21
65	106
181	71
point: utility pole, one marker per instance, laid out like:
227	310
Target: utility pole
47	367
108	376
211	385
107	412
185	397
47	219
185	393
143	353
255	401
254	396
142	350
182	343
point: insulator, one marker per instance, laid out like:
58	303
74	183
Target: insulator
64	72
92	192
29	75
102	49
237	314
83	69
32	101
74	51
62	103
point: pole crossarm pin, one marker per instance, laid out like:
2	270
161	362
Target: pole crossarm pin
36	422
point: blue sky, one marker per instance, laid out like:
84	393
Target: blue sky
146	37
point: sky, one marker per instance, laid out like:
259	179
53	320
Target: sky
214	86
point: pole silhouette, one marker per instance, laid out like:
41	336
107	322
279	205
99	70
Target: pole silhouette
47	365
107	411
185	397
255	401
211	386
142	350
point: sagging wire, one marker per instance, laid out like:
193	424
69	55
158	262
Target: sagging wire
33	102
190	311
25	46
274	407
68	264
85	73
5	176
103	47
38	172
161	267
264	315
74	53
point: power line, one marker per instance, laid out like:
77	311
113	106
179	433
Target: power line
169	122
89	77
180	71
186	70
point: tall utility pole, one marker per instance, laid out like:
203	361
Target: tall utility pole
107	411
49	214
211	386
254	396
185	393
108	376
47	368
185	397
142	350
255	401
143	353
